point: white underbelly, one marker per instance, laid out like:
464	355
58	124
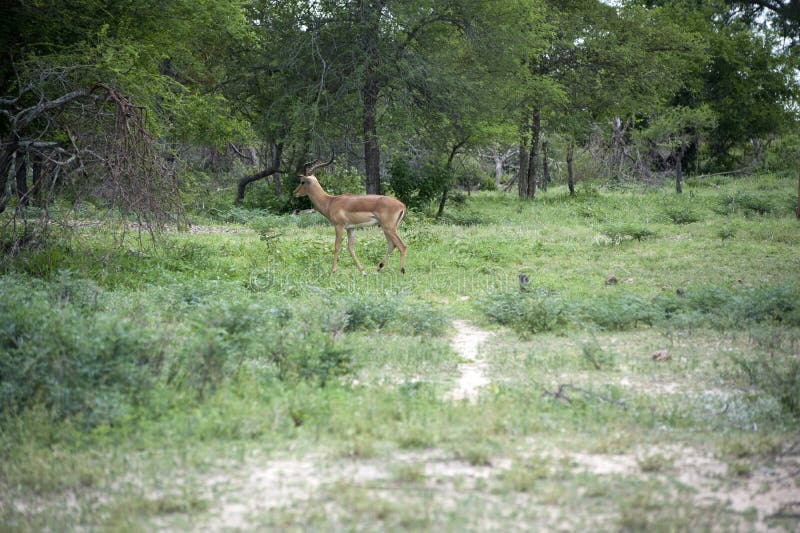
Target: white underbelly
368	223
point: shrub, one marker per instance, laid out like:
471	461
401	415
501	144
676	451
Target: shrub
285	344
754	203
57	349
369	313
620	232
416	187
711	307
682	215
339	180
777	376
533	312
303	354
619	312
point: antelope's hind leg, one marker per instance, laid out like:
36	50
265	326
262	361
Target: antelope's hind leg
394	242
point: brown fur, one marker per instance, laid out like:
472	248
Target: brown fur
349	211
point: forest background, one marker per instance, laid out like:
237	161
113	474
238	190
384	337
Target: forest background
157	106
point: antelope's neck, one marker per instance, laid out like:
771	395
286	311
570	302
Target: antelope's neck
320	199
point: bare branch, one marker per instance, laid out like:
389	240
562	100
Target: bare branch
26	116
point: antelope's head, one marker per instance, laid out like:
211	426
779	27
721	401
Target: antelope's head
306	182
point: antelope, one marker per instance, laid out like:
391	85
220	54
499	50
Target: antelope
350	211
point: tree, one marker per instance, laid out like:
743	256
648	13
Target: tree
101	105
672	131
382	51
751	88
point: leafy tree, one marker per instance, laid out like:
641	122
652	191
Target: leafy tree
103	104
671	132
750	87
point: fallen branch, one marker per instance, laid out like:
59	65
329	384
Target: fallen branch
560	394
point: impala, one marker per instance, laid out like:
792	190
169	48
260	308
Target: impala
349	211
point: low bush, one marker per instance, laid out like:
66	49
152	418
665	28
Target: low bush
78	351
417	186
710	307
626	231
368	313
777	376
682	215
61	349
618	312
754	203
529	312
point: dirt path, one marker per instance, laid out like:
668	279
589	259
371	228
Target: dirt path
467	343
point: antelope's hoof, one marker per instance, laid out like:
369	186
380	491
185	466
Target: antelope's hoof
403	270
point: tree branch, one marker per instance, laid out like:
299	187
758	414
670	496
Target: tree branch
26	116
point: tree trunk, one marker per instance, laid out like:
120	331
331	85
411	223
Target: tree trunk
370	92
21	176
372	150
453	152
530	192
442	201
247	180
618	147
522	173
6	183
798	195
37	179
277	178
545	167
679	170
498	170
570	177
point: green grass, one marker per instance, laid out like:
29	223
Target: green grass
164	386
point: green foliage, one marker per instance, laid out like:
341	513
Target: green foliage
416	187
777	377
754	203
619	312
683	214
64	349
392	313
596	356
529	312
543	311
341	180
621	231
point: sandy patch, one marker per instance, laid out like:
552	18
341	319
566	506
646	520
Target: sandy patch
467	343
771	490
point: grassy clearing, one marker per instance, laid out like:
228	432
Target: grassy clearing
226	379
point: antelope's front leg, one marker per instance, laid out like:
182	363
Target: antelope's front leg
337	246
350	239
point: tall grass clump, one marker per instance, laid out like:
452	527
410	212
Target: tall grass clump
777	376
621	231
618	312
